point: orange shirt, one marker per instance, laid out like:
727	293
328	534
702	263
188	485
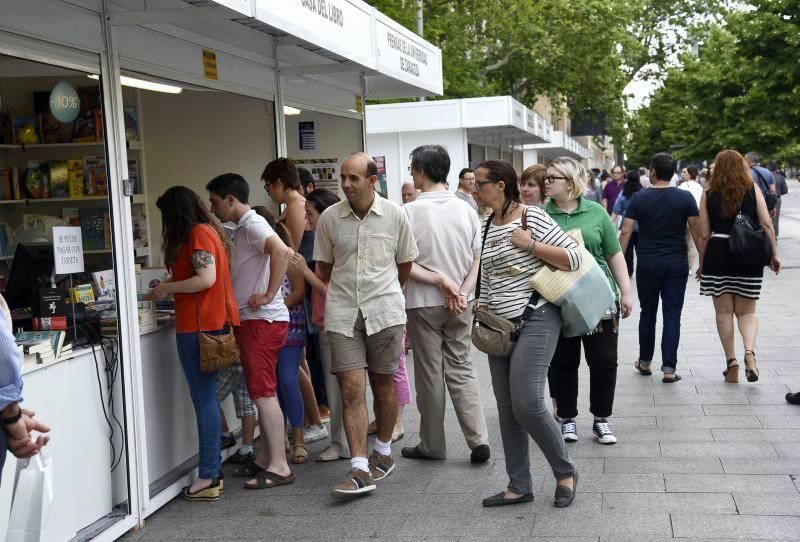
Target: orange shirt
212	301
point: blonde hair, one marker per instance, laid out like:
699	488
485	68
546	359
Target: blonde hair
573	171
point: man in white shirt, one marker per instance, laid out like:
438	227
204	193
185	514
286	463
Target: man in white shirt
258	265
365	248
408	192
466	188
438	305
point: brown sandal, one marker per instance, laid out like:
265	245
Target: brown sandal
266	479
248	470
300	454
750	368
731	374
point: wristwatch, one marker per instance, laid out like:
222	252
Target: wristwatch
12	419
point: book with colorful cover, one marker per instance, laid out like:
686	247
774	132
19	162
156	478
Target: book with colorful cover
76	185
95	177
52	129
55	338
37	182
26	130
71	216
92	220
105	284
82	293
59	179
85	126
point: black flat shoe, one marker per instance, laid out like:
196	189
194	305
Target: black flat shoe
480	454
413	452
793	398
501	500
564	495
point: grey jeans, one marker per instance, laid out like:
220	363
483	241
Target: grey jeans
519	387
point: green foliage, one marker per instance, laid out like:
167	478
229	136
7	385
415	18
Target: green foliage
742	92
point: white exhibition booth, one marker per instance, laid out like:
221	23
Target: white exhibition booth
212	87
472	130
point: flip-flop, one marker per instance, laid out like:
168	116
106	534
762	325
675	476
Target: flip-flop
642	371
671	380
275	480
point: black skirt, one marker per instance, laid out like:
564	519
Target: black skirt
722	275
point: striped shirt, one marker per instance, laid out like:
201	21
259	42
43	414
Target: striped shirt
506	271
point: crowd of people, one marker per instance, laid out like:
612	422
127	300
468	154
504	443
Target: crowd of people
326	298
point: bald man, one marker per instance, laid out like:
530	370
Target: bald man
409	193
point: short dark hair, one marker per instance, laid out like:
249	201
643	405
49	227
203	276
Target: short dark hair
664	166
321	199
433	160
230	184
500	170
306	177
464	172
285	170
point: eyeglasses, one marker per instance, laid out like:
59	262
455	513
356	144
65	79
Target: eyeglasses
550	179
480	184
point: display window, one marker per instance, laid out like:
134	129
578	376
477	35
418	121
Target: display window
58	277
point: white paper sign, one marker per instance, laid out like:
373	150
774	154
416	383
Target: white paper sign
67	250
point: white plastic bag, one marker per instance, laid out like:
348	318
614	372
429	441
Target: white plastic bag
32	499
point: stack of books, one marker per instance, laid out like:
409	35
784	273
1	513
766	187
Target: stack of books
42	347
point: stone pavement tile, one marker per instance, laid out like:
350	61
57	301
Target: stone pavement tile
668	410
780	422
784	409
758	435
717	449
707	371
729	483
770	504
200	527
633	401
615	483
687	433
480	526
763	386
736	527
655	524
617	422
705	503
418	504
762	465
262	503
588	449
674	422
730	398
786	370
663	465
774	397
787	449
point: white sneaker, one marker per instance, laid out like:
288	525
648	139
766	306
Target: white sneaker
602	431
313	433
569	431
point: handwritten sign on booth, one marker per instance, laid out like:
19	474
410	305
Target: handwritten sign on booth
67	250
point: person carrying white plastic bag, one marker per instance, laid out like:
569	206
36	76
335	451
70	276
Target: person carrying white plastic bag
32	499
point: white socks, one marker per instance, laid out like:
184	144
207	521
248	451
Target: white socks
245	449
227	434
383	448
359	463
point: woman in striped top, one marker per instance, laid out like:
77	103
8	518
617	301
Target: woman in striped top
511	256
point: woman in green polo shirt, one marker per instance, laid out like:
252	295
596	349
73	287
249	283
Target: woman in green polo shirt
565	184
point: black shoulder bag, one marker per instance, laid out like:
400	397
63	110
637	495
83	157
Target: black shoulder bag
749	245
492	334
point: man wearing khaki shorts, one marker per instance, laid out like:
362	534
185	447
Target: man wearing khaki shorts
364	248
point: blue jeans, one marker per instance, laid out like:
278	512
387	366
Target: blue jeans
289	396
203	389
665	279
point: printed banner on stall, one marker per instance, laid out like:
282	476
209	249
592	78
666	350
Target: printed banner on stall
67	250
381	187
324	170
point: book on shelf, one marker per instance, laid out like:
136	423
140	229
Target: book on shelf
59	179
131	124
36	184
94	176
45	323
105	284
133	175
53	341
139	231
52	129
86	127
9	183
93	225
76	185
25	130
71	216
82	293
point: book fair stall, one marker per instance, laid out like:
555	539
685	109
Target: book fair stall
104	104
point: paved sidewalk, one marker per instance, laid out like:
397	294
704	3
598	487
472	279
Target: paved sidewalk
699	459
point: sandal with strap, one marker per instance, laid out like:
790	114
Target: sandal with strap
266	479
248	470
750	368
731	374
646	371
672	380
300	454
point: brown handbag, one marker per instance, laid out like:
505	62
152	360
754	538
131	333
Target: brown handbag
217	351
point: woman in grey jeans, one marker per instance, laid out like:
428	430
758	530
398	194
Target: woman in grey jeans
510	257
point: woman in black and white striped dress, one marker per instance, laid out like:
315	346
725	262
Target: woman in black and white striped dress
735	287
511	256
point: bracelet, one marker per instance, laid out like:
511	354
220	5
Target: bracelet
12	419
532	247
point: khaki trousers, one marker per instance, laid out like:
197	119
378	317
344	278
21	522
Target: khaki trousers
441	344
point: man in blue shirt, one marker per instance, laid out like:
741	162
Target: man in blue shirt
16	422
762	177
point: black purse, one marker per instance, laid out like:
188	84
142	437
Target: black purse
748	244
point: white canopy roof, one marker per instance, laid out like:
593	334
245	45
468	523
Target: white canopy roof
560	145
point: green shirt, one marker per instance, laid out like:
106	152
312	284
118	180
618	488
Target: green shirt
599	234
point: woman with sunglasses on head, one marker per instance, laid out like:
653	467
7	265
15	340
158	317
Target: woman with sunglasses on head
565	187
510	257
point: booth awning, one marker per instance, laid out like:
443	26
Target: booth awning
330	42
560	145
489	120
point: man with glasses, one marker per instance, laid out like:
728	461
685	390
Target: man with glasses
613	188
466	188
438	305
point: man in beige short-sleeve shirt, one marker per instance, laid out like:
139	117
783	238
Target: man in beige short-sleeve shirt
438	303
365	248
